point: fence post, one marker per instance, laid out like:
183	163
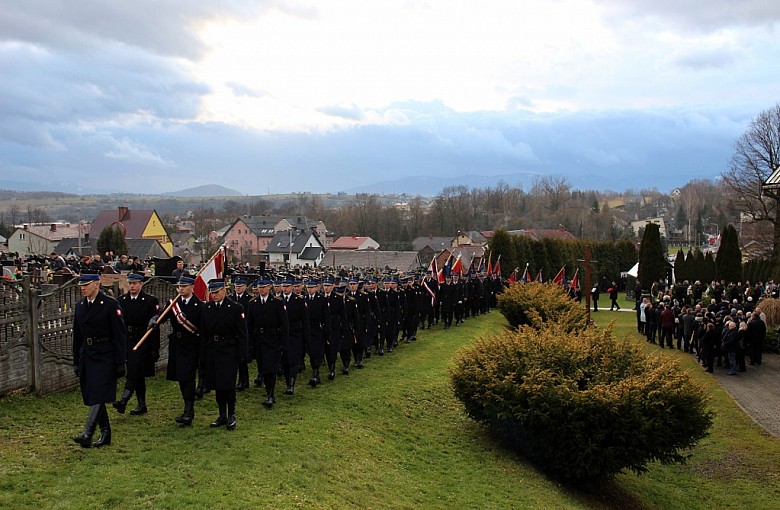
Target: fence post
32	334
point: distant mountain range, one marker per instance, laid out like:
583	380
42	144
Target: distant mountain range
208	190
426	186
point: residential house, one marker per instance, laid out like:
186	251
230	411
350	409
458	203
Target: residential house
354	243
39	239
374	259
295	248
249	236
135	224
639	226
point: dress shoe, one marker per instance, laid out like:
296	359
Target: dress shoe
141	409
231	423
85	441
119	406
331	375
313	382
258	382
345	371
290	390
242	386
221	420
269	402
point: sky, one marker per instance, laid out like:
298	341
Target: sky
266	96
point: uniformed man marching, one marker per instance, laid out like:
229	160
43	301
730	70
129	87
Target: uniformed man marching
224	338
184	346
242	297
140	311
99	338
268	328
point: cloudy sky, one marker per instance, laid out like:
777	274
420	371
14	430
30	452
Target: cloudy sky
287	96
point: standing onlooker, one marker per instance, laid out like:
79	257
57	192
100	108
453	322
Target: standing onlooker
613	296
98	356
594	296
756	332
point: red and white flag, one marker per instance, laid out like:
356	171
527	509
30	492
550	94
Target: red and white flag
214	268
560	278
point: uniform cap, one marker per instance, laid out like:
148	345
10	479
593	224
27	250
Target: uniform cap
215	285
185	280
88	278
135	277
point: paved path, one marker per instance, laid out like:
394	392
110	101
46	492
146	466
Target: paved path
757	391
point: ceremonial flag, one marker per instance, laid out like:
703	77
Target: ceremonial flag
214	268
575	281
539	277
490	264
526	276
444	272
497	267
457	266
470	270
560	277
481	268
432	267
513	276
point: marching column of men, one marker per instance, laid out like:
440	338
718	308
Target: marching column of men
277	328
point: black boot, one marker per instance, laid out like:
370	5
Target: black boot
331	371
121	404
313	378
199	392
105	429
85	439
270	385
221	420
290	386
140	409
317	375
188	415
345	368
232	422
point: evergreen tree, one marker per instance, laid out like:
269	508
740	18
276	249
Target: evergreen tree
709	271
501	244
112	239
729	260
651	256
680	269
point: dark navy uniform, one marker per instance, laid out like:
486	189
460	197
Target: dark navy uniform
297	337
351	343
224	337
337	328
319	331
99	338
137	313
243	368
184	351
268	328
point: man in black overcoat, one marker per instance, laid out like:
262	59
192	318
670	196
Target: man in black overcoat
184	346
140	311
99	338
268	328
225	344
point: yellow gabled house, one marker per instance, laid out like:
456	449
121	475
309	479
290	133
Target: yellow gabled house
136	224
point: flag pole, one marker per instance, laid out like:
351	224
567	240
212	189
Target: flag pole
168	309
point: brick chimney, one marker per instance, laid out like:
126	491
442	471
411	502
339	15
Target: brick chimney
53	227
122	213
25	226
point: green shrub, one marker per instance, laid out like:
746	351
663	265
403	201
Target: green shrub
536	304
583	406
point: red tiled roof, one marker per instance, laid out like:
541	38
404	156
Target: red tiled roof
133	221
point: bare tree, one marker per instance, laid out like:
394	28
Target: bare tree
554	190
756	156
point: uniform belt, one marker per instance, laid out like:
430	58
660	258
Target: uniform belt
180	335
132	329
90	340
222	338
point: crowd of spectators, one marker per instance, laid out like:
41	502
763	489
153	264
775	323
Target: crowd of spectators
717	323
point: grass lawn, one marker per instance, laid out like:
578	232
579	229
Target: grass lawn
389	436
